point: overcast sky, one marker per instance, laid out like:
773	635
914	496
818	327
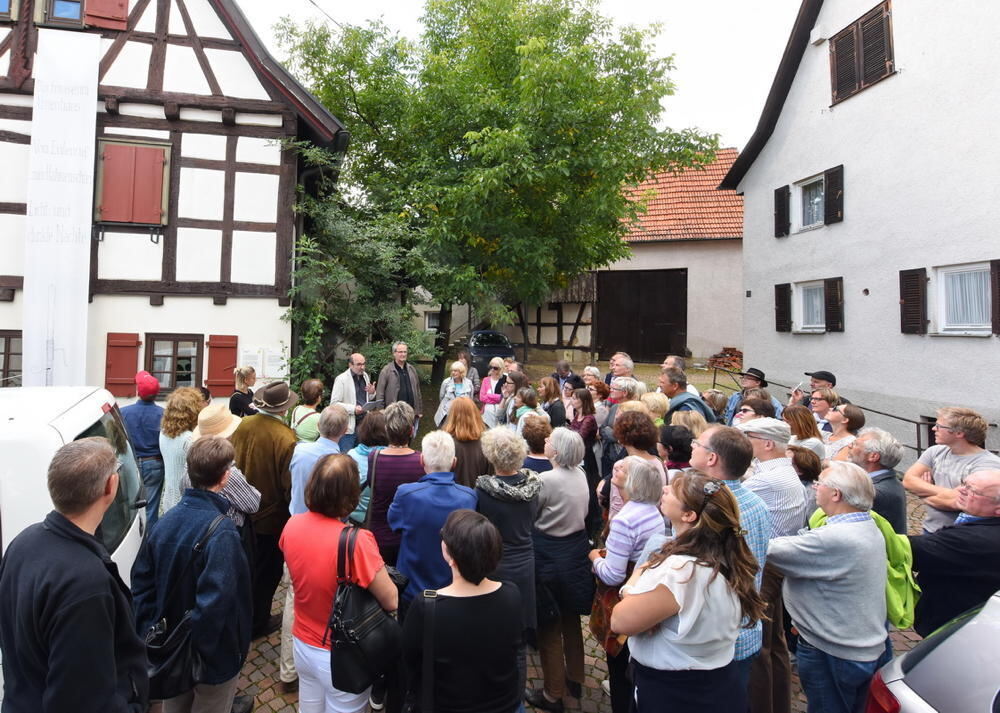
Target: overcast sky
726	51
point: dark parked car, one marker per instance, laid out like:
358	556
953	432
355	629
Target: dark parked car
486	344
954	670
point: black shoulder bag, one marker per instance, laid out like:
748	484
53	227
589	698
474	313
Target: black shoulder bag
175	665
365	641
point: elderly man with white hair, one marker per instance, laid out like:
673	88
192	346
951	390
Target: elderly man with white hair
877	452
834	590
773	478
418	512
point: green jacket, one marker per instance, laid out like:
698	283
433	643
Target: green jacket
901	590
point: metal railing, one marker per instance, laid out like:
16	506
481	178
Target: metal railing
920	426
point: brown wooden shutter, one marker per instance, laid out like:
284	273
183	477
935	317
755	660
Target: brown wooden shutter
833	195
875	61
783	308
995	293
147	194
782	211
833	303
221	362
110	14
122	363
913	301
844	64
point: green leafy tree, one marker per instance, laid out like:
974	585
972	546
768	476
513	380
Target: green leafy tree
503	143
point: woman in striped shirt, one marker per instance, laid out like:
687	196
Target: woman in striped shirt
640	483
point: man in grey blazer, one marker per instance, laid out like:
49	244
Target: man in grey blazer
878	452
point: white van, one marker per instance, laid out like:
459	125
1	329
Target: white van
34	423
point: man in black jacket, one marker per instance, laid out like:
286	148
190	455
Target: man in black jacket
66	625
958	567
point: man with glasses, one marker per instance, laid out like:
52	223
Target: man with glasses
960	434
724	453
352	390
835	578
398	381
959	567
877	452
773	478
66	624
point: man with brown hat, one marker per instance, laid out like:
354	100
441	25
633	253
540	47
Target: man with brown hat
264	446
750	379
142	421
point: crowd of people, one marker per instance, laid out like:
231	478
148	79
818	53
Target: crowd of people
713	541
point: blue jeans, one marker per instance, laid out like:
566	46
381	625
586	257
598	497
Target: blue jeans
832	684
152	481
347	442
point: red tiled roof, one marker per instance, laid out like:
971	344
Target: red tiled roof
688	206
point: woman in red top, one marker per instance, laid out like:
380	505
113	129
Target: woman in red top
309	542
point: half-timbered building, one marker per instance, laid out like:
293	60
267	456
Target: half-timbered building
146	195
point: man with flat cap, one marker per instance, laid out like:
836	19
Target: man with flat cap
817	380
749	379
264	446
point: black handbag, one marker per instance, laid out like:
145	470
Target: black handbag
365	641
174	665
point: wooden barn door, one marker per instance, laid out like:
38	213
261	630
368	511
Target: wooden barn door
642	312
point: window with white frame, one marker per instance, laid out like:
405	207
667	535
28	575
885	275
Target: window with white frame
432	321
811	197
810	307
963	298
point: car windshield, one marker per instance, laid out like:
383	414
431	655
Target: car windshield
119	517
489	339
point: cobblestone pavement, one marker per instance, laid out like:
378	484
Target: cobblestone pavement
260	673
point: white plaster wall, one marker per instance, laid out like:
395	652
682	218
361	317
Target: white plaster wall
203	146
188	114
12	229
206	22
147	22
5	57
202	192
256	197
129	131
253	257
199	255
146	111
920	191
182	73
175	23
257	322
714	317
252	150
129	256
14	159
131	68
17	99
235	75
258	119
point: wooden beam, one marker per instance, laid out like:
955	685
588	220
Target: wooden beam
220	165
285	249
241	225
229	116
187	289
13	209
111	105
228	207
20	113
559	327
577	323
120	38
158	56
197	127
169	272
156	300
172	111
12	282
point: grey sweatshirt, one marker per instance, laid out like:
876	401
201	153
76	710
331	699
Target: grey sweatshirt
835	587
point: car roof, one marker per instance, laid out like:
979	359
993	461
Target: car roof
40	404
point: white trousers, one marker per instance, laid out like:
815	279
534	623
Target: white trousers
316	691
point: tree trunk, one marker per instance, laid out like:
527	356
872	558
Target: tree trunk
522	313
442	341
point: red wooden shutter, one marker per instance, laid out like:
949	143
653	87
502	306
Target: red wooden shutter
783	308
782	211
833	195
913	301
995	293
122	363
118	174
221	362
833	304
110	14
147	197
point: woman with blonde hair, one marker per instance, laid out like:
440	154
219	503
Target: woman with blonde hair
241	402
552	402
466	426
683	609
691	420
489	392
180	417
452	388
658	405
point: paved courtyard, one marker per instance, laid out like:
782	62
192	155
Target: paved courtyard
260	674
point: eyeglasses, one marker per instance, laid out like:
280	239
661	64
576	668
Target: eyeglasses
709	489
814	399
942	427
696	442
978	493
817	483
494	368
746	409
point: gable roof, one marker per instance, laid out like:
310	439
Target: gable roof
782	84
689	206
323	127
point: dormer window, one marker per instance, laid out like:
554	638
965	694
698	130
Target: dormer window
861	54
